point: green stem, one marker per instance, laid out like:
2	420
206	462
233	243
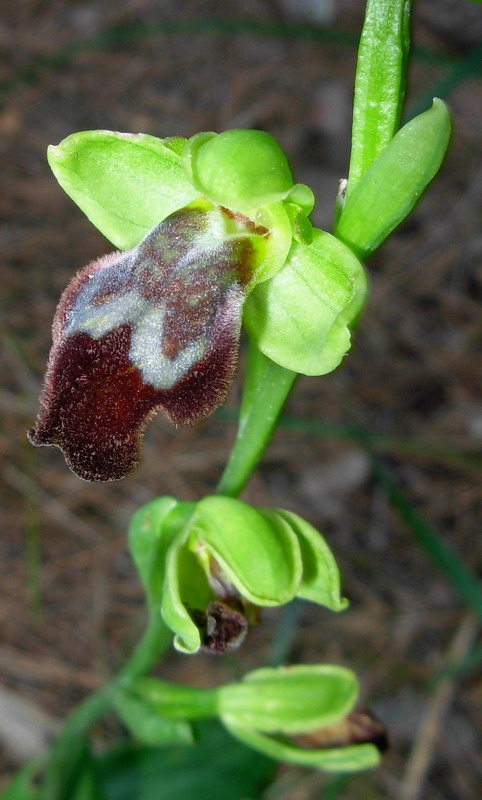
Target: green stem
68	750
266	389
174	701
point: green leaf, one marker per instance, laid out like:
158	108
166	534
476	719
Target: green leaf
22	787
289	699
125	183
380	82
260	556
216	767
321	577
353	758
394	183
88	784
148	726
300	318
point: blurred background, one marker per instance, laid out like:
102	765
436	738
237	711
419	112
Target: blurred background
71	607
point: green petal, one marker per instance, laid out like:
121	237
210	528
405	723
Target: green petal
391	187
289	699
240	169
272	255
321	577
125	183
301	317
260	556
354	758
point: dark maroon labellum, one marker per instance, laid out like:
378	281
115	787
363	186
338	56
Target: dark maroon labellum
155	327
223	627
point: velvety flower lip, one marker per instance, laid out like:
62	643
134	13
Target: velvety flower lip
156	327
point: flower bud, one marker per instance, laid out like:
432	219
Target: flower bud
289	699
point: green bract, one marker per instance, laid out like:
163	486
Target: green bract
240	169
146	725
301	318
393	184
221	550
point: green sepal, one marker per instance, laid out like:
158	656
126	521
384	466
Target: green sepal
125	183
321	577
354	758
289	699
185	588
148	542
148	726
301	318
393	184
240	169
260	556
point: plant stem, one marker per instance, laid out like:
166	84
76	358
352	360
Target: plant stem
68	750
266	389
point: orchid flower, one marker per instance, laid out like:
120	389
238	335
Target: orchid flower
212	233
202	225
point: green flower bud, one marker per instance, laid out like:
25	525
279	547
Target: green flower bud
301	714
207	566
289	699
239	169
